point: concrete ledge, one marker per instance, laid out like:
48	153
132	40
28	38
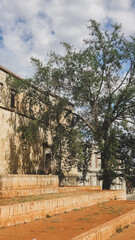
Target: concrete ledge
28	211
106	230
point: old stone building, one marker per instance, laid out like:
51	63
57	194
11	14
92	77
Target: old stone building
16	157
34	158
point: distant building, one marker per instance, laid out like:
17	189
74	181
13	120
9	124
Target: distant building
94	168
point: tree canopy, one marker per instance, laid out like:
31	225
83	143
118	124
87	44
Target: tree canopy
99	80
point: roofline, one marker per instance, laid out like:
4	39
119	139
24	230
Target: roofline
8	71
15	75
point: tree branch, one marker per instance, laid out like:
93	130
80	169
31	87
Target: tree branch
129	121
122	81
81	118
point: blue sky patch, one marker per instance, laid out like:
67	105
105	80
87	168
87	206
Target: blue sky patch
133	3
108	23
41	15
1	39
53	33
27	37
22	23
20	20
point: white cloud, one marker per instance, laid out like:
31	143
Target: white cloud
34	27
120	4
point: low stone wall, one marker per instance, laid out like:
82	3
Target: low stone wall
44	190
28	211
20	181
106	230
26	185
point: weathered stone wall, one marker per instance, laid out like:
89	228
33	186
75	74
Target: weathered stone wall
106	230
15	157
26	185
14	182
28	211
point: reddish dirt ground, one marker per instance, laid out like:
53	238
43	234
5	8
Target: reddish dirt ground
69	224
126	234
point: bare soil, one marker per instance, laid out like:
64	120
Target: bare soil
69	224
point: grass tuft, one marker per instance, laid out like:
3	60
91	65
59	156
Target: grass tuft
119	229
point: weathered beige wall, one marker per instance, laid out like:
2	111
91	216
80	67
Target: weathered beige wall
14	156
21	181
6	132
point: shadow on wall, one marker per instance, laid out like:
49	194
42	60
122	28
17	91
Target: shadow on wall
24	158
13	162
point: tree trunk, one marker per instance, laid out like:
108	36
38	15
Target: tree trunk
106	182
105	174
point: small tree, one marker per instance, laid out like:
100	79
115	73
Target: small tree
84	163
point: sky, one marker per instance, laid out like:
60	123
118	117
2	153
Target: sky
33	28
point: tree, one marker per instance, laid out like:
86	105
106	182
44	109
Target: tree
99	80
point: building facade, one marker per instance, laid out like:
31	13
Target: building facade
14	157
33	158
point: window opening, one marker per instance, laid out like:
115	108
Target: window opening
13	94
96	160
1	91
46	159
